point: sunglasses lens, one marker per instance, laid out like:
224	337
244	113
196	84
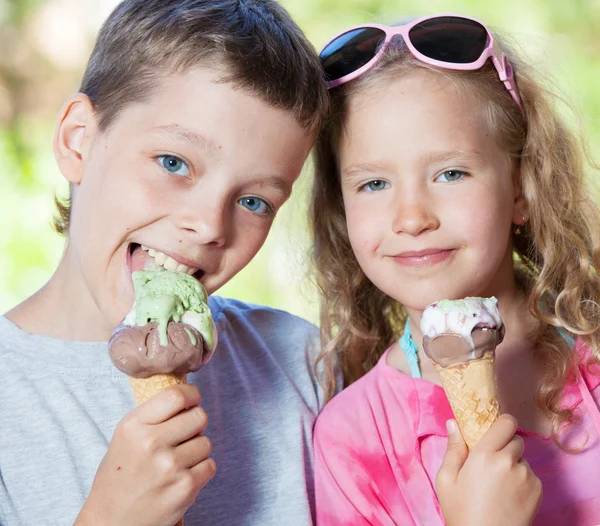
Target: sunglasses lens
450	39
350	51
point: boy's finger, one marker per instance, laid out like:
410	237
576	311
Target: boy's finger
193	451
168	403
456	455
499	435
203	472
183	426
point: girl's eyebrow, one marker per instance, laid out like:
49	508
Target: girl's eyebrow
441	156
453	155
351	170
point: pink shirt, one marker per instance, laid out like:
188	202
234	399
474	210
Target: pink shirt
380	442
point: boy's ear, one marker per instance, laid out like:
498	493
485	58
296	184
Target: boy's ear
75	127
520	208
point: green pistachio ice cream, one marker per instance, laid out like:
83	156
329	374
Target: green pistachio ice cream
169	329
162	296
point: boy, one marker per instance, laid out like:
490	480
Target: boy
193	122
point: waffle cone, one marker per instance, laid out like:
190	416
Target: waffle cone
473	395
145	388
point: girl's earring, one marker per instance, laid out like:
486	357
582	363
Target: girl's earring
518	227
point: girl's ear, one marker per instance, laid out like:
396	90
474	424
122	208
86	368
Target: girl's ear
75	127
520	208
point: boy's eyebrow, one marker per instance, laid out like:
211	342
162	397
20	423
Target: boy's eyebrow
196	139
193	138
275	182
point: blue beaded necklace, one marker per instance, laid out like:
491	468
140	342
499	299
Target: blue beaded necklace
410	349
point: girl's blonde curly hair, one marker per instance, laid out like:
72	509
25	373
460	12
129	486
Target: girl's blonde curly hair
556	253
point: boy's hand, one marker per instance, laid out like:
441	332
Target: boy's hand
156	463
490	486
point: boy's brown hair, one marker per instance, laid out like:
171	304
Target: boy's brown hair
255	42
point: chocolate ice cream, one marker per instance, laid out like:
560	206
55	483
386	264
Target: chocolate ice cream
138	352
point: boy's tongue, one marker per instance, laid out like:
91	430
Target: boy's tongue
141	260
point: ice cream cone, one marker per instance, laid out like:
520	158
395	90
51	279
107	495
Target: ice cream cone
145	388
473	395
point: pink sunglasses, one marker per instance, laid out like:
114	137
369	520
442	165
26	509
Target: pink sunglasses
445	41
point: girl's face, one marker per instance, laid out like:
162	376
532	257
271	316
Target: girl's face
430	196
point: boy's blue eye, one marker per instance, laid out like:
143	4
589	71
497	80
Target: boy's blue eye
257	205
376	185
451	176
174	165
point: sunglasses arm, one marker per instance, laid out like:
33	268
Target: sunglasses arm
506	73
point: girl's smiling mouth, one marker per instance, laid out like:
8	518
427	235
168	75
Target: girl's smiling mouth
423	258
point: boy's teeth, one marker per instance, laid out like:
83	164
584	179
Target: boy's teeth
168	263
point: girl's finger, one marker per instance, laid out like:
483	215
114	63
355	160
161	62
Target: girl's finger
515	448
499	435
455	457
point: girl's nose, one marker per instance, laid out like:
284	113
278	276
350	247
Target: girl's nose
414	215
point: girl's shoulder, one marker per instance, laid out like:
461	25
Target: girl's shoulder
589	367
585	381
381	397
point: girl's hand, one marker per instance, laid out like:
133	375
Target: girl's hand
490	486
156	463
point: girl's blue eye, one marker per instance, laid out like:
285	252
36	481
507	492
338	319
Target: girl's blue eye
376	185
451	176
257	205
174	165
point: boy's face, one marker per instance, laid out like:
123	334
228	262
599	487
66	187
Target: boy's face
195	173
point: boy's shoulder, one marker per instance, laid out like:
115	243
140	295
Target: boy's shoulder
260	333
269	321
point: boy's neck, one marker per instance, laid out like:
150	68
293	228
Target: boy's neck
62	308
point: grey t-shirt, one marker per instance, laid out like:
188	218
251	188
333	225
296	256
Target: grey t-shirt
60	402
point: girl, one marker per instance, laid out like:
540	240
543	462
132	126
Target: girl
443	174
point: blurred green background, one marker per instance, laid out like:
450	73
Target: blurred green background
44	45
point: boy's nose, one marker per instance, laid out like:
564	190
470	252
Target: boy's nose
414	216
207	226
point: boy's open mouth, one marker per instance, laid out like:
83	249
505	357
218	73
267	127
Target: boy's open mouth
141	257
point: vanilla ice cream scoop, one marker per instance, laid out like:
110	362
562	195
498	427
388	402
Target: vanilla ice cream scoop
458	331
